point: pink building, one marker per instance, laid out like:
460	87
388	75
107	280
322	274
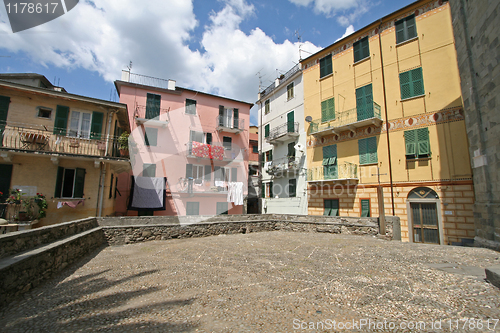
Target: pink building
189	150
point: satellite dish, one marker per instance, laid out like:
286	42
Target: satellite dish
299	147
309	119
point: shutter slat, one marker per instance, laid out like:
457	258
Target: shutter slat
79	183
59	180
61	120
324	111
406	89
96	125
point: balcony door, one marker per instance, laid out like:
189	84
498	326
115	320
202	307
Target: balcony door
424	215
79	125
4	109
364	102
290	122
330	170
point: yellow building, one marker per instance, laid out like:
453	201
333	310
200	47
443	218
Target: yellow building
384	105
61	145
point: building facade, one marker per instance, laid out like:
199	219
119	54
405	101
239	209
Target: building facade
253	202
282	140
61	145
476	41
385	111
189	147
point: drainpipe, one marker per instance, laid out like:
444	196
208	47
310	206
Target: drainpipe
386	116
108	133
103	167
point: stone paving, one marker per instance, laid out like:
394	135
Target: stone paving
266	282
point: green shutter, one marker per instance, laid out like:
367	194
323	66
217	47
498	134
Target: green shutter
96	126
400	31
371	148
417	82
357	51
324	111
292	188
405	85
266	131
61	120
271	194
362	146
290	122
368	101
365	208
189	170
263	190
79	183
365	48
410	142
334	208
331	108
328	207
150	136
411	27
423	141
364	102
208	173
59	180
325	66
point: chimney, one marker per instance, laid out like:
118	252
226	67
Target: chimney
171	85
125	76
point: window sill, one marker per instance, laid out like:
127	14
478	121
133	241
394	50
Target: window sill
407	41
326	76
362	60
418	159
289	99
369	164
413	97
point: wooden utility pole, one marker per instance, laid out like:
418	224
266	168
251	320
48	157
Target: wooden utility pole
381	208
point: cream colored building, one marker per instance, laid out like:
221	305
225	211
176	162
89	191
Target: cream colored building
61	145
385	108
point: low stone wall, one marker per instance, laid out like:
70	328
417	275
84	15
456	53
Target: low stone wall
20	241
125	230
22	272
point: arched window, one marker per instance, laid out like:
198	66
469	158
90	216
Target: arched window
423	193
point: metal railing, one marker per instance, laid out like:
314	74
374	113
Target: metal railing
283	129
282	165
230	122
344	170
140	112
23	137
215	151
148	81
346	118
282	78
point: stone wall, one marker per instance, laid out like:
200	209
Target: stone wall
20	273
477	33
20	241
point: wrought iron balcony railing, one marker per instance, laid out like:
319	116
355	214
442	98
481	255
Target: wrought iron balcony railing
230	124
158	116
284	132
25	138
347	120
282	166
215	151
344	170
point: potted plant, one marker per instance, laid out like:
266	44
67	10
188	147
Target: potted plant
123	144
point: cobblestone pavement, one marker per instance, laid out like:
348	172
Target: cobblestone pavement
265	282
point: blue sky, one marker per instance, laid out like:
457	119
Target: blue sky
216	46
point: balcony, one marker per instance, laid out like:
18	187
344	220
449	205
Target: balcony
283	167
342	171
229	124
155	118
214	151
282	133
25	138
348	121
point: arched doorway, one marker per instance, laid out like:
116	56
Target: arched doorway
424	216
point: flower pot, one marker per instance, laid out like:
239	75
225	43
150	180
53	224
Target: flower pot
23	216
124	152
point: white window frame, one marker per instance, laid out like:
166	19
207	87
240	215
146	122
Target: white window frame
79	132
198	172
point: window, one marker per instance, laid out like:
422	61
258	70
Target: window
255	149
61	120
198	173
328	110
192	208
227	142
292	188
195	136
267	106
330	162
44	112
364	102
406	29
417	143
229	117
269	190
79	125
234	174
412	83
367	151
269	156
289	91
291	149
266	131
208	173
331	208
149	170
361	49
153	106
365	207
70	183
150	136
325	66
190	106
222	208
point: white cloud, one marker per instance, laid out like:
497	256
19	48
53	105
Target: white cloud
348	31
346	11
105	35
